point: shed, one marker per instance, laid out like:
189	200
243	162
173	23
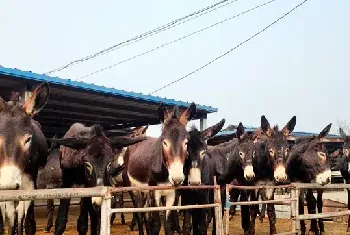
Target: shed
72	101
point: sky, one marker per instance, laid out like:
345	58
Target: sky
297	67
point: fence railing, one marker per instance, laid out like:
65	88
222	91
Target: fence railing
106	194
106	209
292	201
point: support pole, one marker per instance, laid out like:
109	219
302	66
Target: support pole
227	210
105	227
218	210
203	123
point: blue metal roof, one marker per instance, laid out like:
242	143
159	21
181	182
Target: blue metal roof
295	133
28	75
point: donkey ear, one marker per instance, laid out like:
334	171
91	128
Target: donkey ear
342	133
213	130
124	141
188	114
289	127
325	131
37	100
265	126
2	104
240	130
74	143
162	113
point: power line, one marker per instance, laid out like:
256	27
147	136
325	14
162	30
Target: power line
171	42
147	34
229	51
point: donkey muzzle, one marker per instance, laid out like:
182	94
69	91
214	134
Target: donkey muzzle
249	173
10	177
280	174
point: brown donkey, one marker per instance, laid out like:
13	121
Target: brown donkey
160	161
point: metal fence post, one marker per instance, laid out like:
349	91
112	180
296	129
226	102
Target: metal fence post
227	210
105	228
218	209
293	210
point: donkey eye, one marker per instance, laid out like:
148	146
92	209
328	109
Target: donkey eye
28	140
165	144
346	151
271	152
254	154
241	154
321	154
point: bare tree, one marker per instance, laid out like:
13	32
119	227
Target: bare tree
345	125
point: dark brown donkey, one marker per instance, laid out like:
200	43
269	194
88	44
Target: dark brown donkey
160	161
23	150
85	153
116	173
344	165
197	173
307	163
270	166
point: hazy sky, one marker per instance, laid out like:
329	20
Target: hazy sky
297	67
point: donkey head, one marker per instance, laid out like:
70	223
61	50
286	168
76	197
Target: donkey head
174	140
115	167
315	160
346	146
17	136
197	148
277	146
88	148
245	151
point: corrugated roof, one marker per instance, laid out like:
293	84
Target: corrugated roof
101	89
294	133
72	101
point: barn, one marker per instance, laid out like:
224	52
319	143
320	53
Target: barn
72	101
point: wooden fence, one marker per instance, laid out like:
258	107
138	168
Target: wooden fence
292	201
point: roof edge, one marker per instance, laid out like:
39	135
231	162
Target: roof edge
98	88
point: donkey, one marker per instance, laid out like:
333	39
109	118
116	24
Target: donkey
50	177
270	166
23	150
233	160
344	165
160	161
85	153
308	163
116	169
197	173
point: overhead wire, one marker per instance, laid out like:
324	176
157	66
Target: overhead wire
147	34
176	40
229	51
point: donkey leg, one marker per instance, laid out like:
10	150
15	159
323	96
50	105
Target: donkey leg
177	226
319	209
234	194
245	218
169	215
82	222
253	213
30	224
121	205
2	221
113	205
301	212
154	221
62	216
136	200
50	209
311	207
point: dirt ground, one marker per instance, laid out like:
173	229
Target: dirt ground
235	227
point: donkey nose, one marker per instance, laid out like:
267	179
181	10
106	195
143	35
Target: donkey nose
281	178
194	182
177	182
